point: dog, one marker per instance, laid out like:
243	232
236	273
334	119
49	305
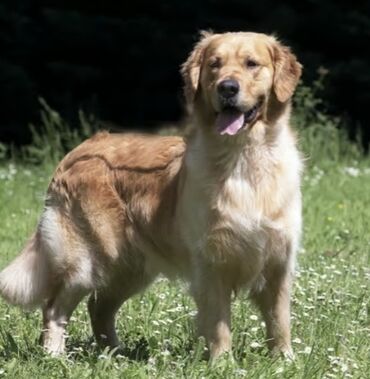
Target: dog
220	209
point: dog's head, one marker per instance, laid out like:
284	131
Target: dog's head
231	78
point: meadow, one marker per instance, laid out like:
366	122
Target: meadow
330	308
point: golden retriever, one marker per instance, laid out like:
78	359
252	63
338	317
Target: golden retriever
221	209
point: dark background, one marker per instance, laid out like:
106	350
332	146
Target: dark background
120	60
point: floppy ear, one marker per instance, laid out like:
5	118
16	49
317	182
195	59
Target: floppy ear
190	69
287	72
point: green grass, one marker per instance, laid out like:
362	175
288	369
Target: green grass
331	328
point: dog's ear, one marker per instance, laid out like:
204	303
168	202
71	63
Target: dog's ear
190	69
287	71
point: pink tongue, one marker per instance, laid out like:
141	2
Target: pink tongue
229	123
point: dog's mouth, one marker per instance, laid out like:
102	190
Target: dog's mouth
231	119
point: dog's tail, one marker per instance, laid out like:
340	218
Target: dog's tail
25	281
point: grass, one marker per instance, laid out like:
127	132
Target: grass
331	326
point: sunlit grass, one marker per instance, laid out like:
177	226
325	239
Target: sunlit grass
331	329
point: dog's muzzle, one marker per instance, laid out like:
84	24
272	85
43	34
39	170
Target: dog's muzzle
228	91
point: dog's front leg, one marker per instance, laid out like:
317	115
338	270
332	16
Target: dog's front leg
213	299
274	303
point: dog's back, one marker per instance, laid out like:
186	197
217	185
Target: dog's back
102	194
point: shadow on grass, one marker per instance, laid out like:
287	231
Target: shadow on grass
137	350
134	348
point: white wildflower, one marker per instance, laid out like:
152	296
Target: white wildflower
240	372
254	345
352	171
279	370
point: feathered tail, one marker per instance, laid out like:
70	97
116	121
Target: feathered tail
25	281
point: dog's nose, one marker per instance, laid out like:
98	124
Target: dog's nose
228	88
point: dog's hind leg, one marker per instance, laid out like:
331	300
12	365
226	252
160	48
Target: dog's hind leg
56	313
104	304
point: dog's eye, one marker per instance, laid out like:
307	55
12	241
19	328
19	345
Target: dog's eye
215	63
250	63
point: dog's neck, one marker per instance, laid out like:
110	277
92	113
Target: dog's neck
220	155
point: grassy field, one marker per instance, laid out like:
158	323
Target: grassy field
331	328
330	313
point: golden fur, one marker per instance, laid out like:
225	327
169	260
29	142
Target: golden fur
221	211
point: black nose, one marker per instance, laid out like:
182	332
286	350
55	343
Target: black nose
228	88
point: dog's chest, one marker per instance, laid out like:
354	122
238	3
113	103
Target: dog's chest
239	210
231	215
237	205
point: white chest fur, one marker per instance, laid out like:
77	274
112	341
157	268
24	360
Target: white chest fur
242	209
